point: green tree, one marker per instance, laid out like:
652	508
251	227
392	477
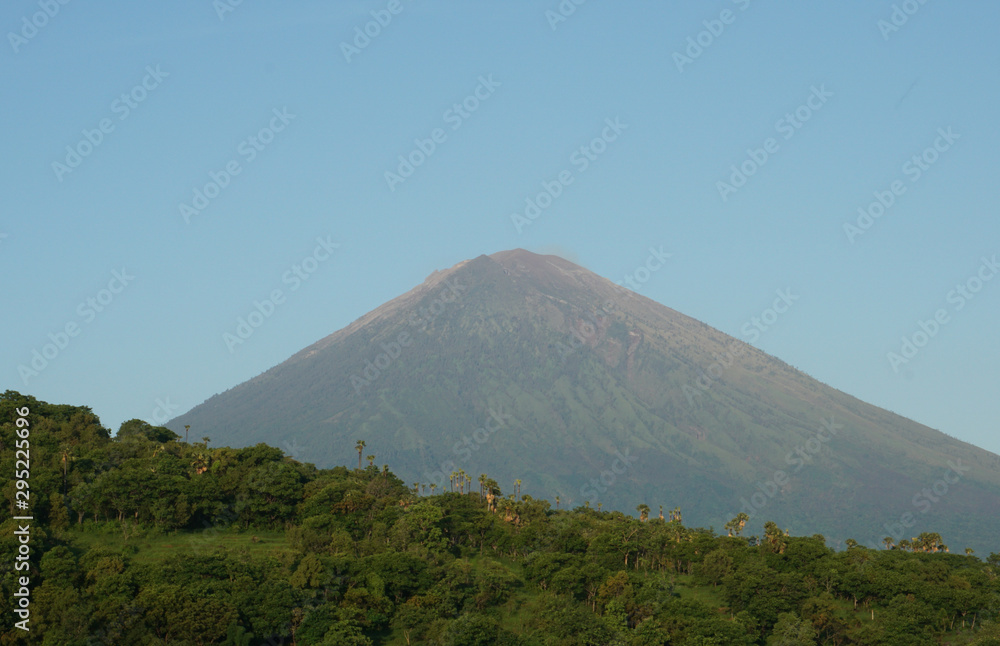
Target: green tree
822	612
237	635
175	614
716	566
792	631
271	493
493	584
471	629
345	633
309	573
136	428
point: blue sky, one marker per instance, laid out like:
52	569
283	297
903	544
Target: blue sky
170	96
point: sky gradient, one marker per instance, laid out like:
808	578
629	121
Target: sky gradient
170	167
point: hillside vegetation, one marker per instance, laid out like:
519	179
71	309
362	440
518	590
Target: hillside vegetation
146	539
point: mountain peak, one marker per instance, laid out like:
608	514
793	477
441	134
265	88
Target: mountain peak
523	261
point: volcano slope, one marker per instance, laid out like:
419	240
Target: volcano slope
528	367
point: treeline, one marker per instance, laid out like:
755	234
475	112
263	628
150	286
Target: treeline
131	536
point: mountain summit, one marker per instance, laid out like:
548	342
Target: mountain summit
530	368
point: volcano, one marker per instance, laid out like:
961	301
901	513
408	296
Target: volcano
555	381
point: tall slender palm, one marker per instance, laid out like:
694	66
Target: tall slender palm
643	510
433	487
65	463
518	483
492	492
371	460
741	519
360	446
557	502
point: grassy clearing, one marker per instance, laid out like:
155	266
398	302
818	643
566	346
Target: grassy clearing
153	547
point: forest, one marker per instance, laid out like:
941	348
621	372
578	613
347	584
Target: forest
145	537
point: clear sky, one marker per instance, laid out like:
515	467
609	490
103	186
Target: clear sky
744	136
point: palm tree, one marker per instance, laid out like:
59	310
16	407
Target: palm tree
661	514
736	525
643	510
200	463
482	486
433	487
518	483
743	519
888	542
65	457
969	551
371	460
492	492
416	488
360	446
598	506
187	427
385	471
927	542
775	538
503	505
557	502
205	440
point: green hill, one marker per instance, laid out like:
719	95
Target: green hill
143	539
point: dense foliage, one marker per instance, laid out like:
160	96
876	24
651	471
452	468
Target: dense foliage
146	539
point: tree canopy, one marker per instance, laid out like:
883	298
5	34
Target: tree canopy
141	538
